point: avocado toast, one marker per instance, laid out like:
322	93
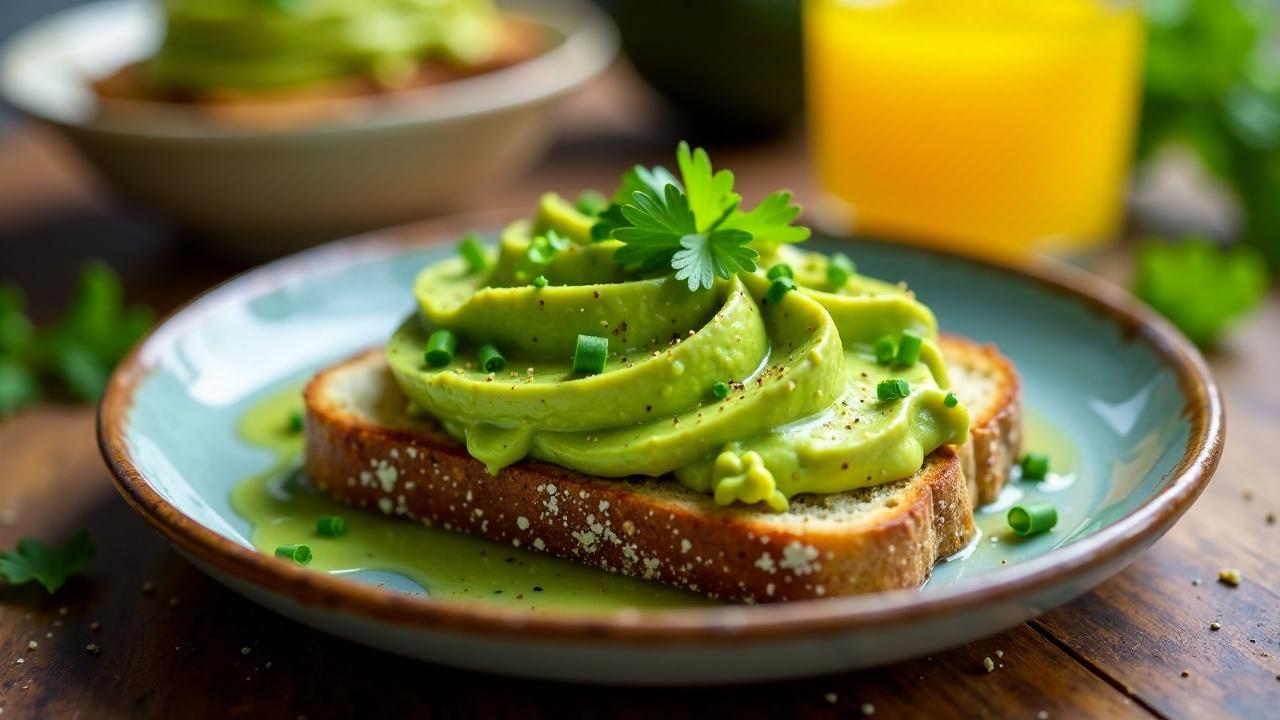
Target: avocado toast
664	385
365	450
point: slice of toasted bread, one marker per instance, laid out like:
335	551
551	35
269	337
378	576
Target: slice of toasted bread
365	450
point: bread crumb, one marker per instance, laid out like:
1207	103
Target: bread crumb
1042	715
999	653
95	625
1229	576
32	645
831	698
989	664
868	709
1186	673
148	587
92	649
245	650
1215	625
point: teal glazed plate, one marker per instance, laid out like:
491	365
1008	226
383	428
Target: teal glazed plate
1123	404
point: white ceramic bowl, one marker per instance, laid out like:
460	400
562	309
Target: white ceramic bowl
255	193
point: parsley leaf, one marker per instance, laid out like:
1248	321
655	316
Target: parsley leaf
711	196
696	228
705	256
1202	289
33	560
770	221
656	225
75	356
542	250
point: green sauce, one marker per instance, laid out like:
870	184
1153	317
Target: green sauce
282	508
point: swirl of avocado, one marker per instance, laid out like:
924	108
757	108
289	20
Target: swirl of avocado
802	412
270	44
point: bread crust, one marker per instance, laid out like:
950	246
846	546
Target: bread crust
378	458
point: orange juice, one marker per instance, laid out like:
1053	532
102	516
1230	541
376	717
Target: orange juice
992	126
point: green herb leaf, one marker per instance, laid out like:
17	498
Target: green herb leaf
541	251
711	195
770	221
19	386
656	226
33	560
1202	289
705	256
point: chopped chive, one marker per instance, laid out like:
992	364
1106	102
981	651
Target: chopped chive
540	281
589	354
1034	518
1035	466
440	348
840	268
886	350
473	252
951	400
780	270
296	552
893	389
331	526
779	288
296	422
909	348
591	203
720	389
490	359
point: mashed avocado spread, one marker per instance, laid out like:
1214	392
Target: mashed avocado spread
723	377
265	44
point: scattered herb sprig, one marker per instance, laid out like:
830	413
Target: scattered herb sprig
35	561
73	357
1200	287
693	224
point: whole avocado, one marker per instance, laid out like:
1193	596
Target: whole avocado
731	68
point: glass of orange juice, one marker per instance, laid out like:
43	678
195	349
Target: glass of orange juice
990	126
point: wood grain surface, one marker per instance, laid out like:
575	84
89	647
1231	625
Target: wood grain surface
172	643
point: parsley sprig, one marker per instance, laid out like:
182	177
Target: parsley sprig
1202	288
74	356
33	560
695	227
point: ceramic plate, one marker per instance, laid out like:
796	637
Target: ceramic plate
1132	414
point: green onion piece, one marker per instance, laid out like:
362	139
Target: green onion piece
909	348
591	203
1034	518
893	389
886	350
951	400
779	288
1035	466
590	353
540	281
296	421
780	270
839	269
298	553
473	252
440	348
720	389
331	526
490	359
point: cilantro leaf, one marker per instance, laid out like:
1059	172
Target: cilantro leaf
33	560
711	196
1199	287
770	221
705	256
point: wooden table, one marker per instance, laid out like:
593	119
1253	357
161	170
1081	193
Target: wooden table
1139	645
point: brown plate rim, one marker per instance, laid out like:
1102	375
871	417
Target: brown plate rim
794	620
